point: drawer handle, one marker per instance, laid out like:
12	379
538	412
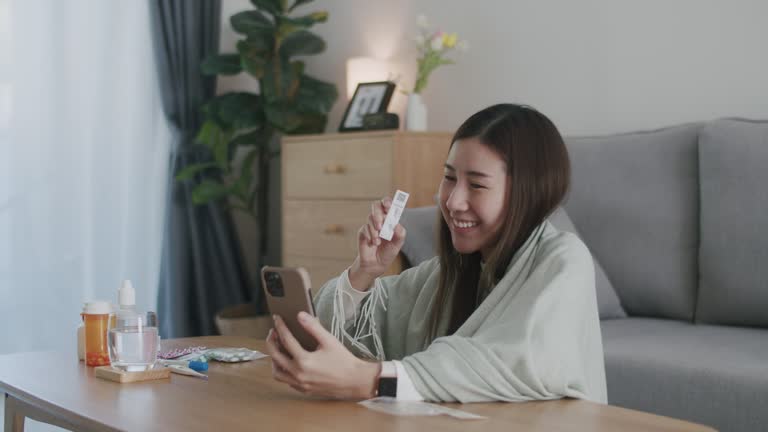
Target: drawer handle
334	229
335	169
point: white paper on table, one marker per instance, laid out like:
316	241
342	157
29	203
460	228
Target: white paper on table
392	406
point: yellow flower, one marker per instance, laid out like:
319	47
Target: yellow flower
449	39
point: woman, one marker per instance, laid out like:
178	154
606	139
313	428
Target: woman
506	312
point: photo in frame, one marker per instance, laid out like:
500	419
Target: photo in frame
370	97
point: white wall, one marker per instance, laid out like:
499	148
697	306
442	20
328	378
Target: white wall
593	66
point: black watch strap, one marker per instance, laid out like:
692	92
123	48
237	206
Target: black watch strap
387	387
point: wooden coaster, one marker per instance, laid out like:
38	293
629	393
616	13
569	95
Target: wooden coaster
117	375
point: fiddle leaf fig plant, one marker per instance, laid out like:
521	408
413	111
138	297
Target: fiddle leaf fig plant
239	126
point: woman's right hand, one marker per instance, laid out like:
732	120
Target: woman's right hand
374	254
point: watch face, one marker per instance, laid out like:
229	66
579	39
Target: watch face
388	387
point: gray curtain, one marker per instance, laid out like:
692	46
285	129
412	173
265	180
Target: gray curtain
202	268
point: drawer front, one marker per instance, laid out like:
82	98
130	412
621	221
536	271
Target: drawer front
321	270
357	169
323	228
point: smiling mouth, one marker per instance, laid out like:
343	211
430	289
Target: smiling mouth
464	224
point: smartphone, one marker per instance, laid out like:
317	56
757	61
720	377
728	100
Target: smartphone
288	292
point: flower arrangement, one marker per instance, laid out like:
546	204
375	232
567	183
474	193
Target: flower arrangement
432	47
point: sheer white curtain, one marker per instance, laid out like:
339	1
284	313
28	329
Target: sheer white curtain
83	164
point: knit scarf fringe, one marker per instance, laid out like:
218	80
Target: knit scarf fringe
365	326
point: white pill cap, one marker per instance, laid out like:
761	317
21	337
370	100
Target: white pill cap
97	308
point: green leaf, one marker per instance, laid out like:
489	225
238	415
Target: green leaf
315	96
190	170
208	190
259	137
221	64
236	110
207	132
246	170
298	68
281	80
299	3
261	44
239	189
254	66
283	117
287	25
302	43
251	23
252	59
293	79
319	16
220	151
274	7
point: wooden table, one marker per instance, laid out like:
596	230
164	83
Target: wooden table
57	389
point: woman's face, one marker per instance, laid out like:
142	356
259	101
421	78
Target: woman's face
473	195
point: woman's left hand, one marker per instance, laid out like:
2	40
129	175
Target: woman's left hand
329	371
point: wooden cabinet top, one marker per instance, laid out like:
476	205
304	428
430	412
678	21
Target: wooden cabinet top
363	135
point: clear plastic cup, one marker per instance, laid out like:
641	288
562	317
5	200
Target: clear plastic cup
134	341
152	322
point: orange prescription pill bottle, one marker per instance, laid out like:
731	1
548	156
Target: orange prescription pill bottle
96	318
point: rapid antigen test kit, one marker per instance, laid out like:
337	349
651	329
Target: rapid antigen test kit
393	216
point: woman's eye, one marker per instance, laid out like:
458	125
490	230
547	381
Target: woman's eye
449	178
477	186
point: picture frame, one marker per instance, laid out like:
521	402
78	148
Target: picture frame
369	97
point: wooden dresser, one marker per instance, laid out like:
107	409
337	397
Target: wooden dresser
330	180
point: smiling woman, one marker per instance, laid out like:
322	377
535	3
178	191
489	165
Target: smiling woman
472	196
513	171
506	312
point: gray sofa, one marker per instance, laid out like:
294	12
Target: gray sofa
677	221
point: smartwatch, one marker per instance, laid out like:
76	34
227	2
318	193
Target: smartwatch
387	380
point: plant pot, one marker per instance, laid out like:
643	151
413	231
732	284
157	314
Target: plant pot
416	113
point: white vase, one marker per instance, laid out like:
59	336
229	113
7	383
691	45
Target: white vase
416	113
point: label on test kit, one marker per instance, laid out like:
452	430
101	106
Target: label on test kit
393	216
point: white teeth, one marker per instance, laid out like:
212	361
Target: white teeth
464	224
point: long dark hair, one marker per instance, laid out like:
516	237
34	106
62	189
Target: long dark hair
538	178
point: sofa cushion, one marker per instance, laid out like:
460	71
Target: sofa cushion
421	245
733	158
715	375
608	302
634	198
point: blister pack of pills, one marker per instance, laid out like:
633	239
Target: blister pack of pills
227	355
180	352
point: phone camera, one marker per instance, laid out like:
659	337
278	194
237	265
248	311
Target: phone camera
274	284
